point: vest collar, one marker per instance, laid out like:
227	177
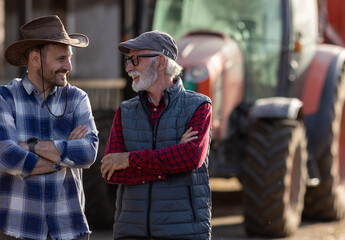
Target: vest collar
172	91
178	86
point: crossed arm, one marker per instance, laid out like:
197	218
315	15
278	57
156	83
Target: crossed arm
49	154
116	161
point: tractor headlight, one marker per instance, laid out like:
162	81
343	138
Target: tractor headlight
196	74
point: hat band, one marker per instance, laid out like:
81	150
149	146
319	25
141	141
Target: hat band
58	35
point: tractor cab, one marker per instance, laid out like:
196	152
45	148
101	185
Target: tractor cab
239	51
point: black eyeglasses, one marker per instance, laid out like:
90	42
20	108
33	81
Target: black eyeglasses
135	58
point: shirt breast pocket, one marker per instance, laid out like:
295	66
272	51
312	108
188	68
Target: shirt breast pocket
62	126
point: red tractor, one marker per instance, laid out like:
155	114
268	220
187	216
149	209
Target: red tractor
278	103
332	21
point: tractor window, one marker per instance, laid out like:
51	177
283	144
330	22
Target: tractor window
256	25
304	31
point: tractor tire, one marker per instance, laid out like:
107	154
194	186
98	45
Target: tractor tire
100	196
274	180
326	202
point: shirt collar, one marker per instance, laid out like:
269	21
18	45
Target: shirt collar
29	87
148	99
177	85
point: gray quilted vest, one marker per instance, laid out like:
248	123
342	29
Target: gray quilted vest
176	208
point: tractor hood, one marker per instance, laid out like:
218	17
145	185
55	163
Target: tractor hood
213	65
205	48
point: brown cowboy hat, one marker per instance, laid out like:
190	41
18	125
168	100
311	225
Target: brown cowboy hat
43	30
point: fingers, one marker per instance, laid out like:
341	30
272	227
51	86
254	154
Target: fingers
185	135
107	171
108	167
191	138
78	133
104	168
189	135
110	173
113	162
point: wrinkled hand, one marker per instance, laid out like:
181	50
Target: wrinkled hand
78	133
113	162
189	135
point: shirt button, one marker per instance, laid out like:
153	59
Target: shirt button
155	109
138	167
159	177
143	181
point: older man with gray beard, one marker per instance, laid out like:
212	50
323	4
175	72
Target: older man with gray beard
158	148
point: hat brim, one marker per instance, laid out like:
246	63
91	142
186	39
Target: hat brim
15	53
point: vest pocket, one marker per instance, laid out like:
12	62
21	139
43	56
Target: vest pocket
190	196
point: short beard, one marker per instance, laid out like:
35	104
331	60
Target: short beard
49	78
146	78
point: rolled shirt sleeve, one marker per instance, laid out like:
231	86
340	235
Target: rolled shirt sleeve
80	153
13	159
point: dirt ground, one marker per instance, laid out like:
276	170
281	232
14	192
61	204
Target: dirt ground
227	219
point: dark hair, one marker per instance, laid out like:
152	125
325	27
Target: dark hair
37	48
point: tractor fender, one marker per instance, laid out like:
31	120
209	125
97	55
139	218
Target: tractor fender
276	107
316	76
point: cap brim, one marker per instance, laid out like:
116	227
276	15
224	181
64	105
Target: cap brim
15	53
125	47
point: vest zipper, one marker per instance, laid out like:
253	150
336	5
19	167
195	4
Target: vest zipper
154	134
148	114
157	122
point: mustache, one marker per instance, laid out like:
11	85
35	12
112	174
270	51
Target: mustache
62	71
133	73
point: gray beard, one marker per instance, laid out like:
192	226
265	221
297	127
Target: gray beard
146	78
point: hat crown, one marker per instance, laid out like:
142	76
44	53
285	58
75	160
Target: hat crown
43	30
49	27
153	40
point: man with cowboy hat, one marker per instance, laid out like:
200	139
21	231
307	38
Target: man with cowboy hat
48	135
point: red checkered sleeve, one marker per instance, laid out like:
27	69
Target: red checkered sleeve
181	157
129	176
116	142
150	165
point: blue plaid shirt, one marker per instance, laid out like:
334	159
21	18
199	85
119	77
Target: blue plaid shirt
32	206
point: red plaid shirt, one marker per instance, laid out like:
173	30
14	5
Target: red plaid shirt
150	165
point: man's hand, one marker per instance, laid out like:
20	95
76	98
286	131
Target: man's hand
48	150
117	161
43	166
78	133
189	135
113	162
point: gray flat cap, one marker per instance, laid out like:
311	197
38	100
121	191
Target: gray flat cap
153	40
